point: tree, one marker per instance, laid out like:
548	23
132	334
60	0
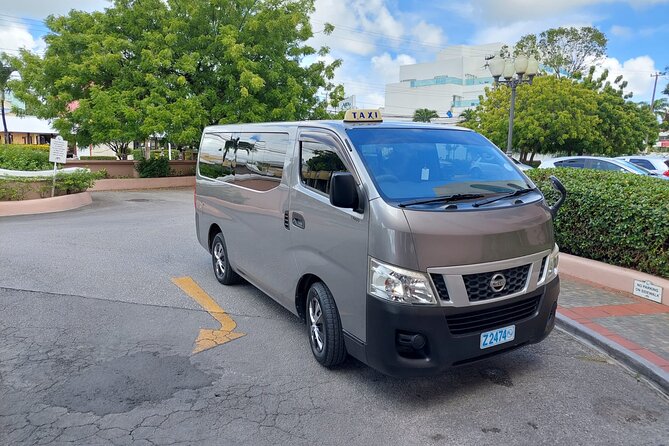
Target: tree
6	71
467	115
169	68
566	51
557	115
424	115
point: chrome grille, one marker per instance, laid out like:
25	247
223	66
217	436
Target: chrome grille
478	285
440	284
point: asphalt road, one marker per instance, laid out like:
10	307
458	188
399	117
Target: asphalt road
96	347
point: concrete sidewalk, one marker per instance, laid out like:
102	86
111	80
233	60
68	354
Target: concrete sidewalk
633	330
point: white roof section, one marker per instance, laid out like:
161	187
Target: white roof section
28	124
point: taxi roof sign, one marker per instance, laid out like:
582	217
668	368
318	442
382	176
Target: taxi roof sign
363	116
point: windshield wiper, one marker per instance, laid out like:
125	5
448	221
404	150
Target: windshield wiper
444	199
501	197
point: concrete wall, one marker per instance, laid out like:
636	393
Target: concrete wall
126	169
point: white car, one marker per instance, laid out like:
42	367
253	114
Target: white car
598	163
655	164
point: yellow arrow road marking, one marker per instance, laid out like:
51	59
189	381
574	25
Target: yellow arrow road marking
208	338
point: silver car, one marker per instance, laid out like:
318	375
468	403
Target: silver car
655	164
410	247
597	163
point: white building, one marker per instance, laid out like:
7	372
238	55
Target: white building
452	83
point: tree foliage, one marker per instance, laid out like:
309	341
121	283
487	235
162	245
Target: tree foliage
558	115
565	51
424	115
151	67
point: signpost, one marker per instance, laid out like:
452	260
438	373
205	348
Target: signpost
648	290
57	154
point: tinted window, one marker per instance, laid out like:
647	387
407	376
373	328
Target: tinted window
212	151
603	165
578	163
257	159
318	163
643	163
411	163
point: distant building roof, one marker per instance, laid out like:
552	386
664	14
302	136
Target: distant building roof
28	124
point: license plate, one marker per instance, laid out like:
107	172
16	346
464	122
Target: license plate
499	336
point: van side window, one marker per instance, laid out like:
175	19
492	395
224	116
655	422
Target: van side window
318	163
212	151
258	160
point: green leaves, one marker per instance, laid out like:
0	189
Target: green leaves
558	115
613	217
424	115
146	67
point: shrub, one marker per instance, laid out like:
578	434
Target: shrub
16	188
617	218
18	157
98	158
153	168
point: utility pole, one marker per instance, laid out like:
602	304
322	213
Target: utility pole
655	75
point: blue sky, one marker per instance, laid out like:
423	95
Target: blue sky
373	37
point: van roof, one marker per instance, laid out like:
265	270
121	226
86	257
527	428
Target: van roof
341	125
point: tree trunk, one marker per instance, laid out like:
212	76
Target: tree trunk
532	156
4	121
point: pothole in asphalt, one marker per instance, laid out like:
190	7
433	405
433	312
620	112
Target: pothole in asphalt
124	383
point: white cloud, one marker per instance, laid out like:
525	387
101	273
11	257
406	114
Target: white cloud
509	11
621	31
429	34
39	9
387	68
635	71
16	36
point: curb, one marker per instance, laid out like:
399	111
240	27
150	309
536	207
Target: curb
45	205
637	363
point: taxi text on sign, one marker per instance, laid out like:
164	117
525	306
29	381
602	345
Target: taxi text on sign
58	150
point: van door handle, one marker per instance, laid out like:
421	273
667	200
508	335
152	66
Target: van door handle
298	220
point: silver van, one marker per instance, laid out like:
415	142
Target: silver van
411	247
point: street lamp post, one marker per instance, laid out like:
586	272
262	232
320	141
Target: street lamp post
505	68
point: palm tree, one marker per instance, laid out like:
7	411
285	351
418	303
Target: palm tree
661	109
424	115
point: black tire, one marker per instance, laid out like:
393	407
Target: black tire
326	337
221	263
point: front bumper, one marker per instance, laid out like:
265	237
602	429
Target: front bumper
388	321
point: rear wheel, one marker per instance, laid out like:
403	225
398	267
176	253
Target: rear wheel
325	333
221	263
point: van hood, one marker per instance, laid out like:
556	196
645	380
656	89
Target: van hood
466	237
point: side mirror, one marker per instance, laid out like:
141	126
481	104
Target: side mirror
558	186
343	190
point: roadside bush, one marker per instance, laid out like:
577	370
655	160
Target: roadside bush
153	168
18	157
617	218
16	188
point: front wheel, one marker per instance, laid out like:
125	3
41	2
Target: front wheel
325	333
221	263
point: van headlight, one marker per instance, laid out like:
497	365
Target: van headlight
553	260
399	285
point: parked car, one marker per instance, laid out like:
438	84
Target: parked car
597	163
654	164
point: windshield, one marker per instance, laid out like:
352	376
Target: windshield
408	164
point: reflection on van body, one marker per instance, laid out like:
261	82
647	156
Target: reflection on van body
411	247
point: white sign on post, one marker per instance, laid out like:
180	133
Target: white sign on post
648	290
58	150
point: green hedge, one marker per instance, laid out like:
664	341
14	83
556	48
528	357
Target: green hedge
153	168
18	157
617	218
98	158
15	188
